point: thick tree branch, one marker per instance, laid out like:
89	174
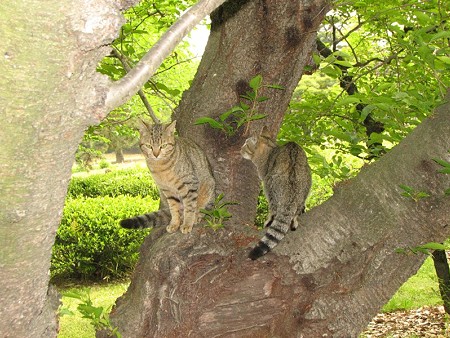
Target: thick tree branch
125	88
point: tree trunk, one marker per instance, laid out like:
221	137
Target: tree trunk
326	279
443	274
272	38
50	93
119	155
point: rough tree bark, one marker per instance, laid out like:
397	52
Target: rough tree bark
333	274
50	93
271	38
327	279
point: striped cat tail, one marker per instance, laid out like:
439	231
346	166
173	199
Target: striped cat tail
154	219
275	233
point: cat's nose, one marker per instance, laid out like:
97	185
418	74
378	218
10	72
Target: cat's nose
156	151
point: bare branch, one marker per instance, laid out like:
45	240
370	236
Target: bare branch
122	90
141	93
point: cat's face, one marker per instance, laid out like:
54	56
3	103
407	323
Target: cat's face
157	141
257	145
249	147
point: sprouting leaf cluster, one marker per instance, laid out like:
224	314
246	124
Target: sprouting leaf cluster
445	170
97	315
413	194
218	214
245	112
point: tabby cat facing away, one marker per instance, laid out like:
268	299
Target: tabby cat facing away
286	178
182	173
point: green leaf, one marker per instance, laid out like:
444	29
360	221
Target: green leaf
317	59
347	100
433	246
262	98
406	188
66	312
440	35
274	86
244	106
257	117
225	115
72	294
442	162
255	83
332	71
445	59
343	63
207	120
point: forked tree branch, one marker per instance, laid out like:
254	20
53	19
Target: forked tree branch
141	93
123	89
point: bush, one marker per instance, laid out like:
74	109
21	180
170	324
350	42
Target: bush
91	245
132	182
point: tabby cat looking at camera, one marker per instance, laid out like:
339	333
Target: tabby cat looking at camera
182	173
286	178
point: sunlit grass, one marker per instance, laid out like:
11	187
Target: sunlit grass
421	289
73	326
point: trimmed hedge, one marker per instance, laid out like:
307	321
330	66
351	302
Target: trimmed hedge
91	245
132	182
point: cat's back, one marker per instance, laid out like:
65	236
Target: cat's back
287	159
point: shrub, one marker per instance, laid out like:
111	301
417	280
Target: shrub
91	245
132	182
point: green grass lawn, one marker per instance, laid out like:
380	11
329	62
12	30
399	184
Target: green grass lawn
74	326
421	289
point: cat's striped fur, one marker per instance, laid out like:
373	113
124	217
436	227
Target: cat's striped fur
286	178
182	173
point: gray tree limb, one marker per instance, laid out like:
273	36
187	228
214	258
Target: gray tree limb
122	90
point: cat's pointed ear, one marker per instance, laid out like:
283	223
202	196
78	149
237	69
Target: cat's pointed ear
143	126
170	129
265	132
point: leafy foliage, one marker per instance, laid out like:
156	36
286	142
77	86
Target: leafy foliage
132	182
145	23
382	69
91	245
98	316
218	214
413	194
232	120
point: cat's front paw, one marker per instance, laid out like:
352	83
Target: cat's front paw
185	229
172	227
